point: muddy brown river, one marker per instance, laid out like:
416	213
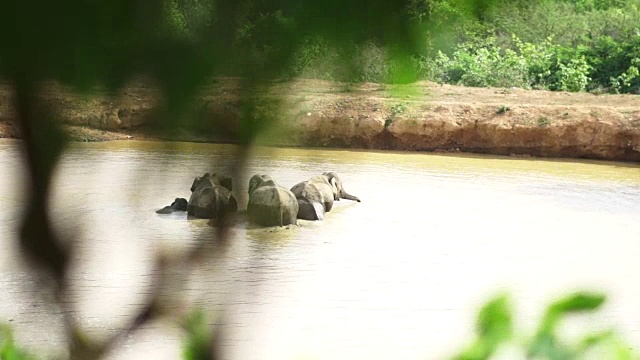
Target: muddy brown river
398	276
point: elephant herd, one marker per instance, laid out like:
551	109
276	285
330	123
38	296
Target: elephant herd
269	203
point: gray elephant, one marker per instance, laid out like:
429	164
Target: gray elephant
270	204
316	195
211	197
179	204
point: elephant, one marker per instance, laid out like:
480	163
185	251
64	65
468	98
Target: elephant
179	204
211	197
316	195
270	204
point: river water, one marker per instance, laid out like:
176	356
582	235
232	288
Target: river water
399	275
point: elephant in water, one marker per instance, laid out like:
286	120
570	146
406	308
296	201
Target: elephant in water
211	197
316	195
179	204
270	204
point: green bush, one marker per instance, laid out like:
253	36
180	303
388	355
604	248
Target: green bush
185	18
366	62
573	75
486	64
370	63
628	80
615	63
609	65
315	59
539	59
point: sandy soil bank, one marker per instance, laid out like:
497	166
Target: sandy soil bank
423	117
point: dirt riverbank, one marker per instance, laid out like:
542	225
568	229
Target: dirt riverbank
422	117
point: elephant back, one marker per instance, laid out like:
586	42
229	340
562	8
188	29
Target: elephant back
210	202
272	205
316	189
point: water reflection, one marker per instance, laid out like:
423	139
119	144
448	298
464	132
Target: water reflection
396	276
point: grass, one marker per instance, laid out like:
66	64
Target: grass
543	121
396	110
502	109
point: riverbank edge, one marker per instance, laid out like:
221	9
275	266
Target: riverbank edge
428	117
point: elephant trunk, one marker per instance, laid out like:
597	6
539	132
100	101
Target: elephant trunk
348	196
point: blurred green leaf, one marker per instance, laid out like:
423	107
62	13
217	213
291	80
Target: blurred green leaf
198	341
595	339
545	343
494	326
578	302
8	348
495	319
606	342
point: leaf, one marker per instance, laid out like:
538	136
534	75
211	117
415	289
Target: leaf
595	339
8	349
609	343
545	343
494	319
197	343
494	326
578	302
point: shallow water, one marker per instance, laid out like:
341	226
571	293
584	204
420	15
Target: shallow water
399	275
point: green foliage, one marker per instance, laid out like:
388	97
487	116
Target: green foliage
573	75
482	64
543	121
546	343
567	45
627	80
503	109
495	330
8	349
494	326
398	109
370	62
315	58
187	18
539	59
197	344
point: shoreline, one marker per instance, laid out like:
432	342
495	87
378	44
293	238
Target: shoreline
418	117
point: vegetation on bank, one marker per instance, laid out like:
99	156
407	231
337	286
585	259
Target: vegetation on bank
567	45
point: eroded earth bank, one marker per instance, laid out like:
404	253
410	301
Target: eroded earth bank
423	116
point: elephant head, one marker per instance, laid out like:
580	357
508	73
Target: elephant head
257	181
179	204
337	188
316	195
211	197
211	180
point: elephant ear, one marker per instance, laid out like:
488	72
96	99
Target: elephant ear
254	182
226	182
334	187
196	181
